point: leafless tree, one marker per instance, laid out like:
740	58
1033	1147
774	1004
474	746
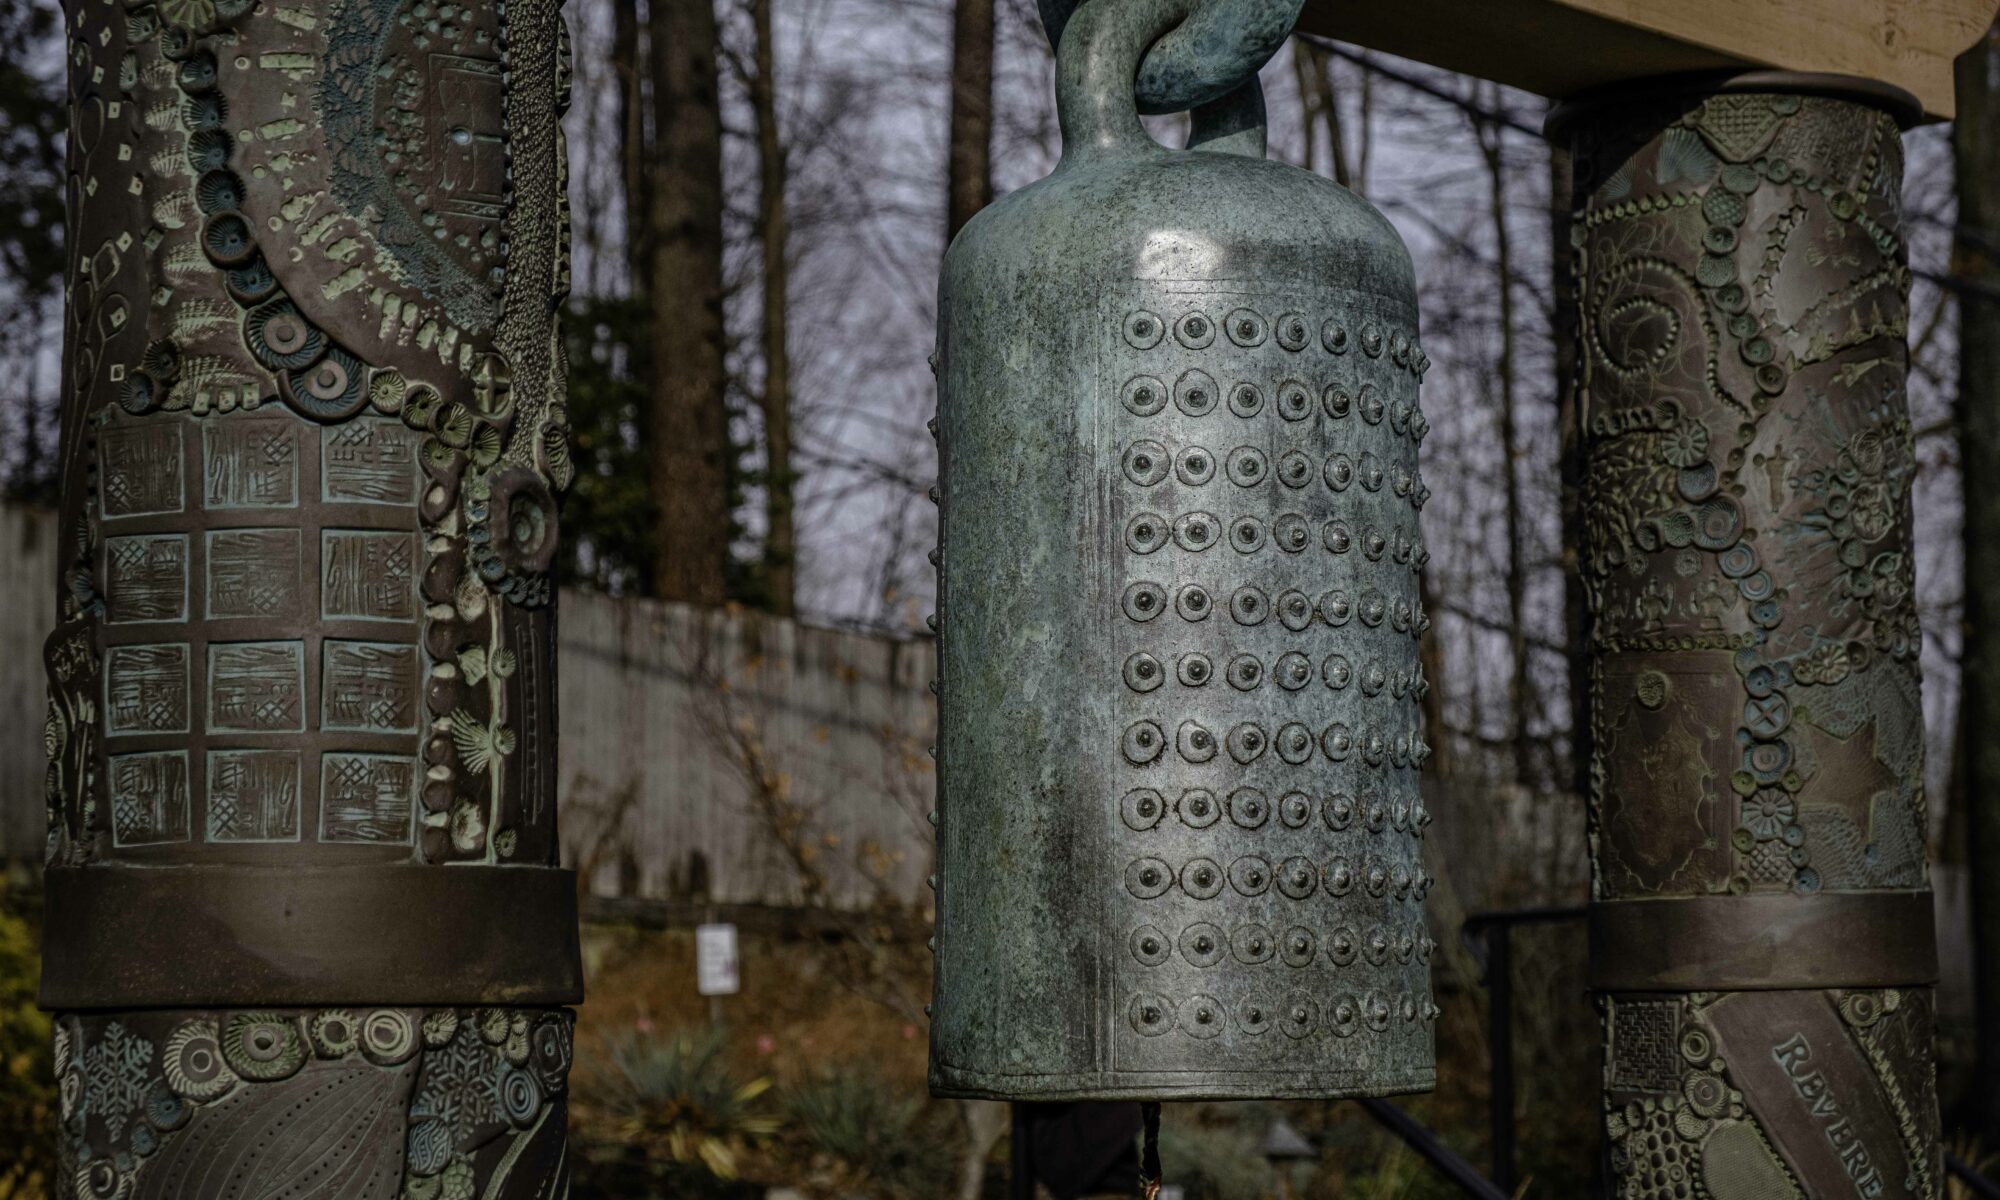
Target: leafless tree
1976	268
690	427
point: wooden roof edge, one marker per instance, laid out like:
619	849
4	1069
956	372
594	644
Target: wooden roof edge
1562	48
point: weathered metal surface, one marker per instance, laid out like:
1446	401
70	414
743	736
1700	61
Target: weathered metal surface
1179	827
1759	736
312	438
1203	58
285	935
1762	940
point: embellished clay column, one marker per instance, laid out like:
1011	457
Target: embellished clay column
1761	929
305	924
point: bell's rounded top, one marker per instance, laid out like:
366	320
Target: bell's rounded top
1183	215
1120	205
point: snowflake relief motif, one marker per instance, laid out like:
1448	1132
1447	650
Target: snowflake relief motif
459	1097
117	1071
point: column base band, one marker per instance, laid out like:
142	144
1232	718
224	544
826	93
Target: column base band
249	937
1763	942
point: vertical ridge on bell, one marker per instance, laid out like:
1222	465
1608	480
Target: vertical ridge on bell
1179	732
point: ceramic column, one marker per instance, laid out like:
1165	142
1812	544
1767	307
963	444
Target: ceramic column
305	926
1761	927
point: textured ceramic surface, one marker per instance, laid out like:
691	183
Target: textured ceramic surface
302	723
1763	917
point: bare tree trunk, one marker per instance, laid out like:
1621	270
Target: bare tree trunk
1309	102
1365	137
971	150
36	482
1569	428
689	454
1313	66
773	231
628	64
1976	150
1518	690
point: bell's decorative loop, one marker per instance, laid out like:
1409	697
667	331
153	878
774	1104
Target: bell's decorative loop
1207	53
1179	831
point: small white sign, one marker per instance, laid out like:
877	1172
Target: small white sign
715	964
1172	1191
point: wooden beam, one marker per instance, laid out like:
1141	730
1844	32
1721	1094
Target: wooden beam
1559	48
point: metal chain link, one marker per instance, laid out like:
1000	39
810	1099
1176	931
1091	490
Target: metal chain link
1220	45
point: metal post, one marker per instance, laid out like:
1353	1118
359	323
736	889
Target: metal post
1491	935
1761	932
1020	1153
305	927
1441	1157
1500	1039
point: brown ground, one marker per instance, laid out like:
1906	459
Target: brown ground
810	1004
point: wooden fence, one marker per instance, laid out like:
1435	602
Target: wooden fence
724	756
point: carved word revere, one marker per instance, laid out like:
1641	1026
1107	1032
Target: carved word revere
1795	1056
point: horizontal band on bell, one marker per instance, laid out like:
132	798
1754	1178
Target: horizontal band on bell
957	1083
1764	942
232	937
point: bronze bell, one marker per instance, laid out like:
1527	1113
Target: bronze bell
1179	829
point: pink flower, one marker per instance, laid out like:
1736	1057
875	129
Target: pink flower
766	1044
644	1024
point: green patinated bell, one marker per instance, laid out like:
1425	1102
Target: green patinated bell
1180	835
